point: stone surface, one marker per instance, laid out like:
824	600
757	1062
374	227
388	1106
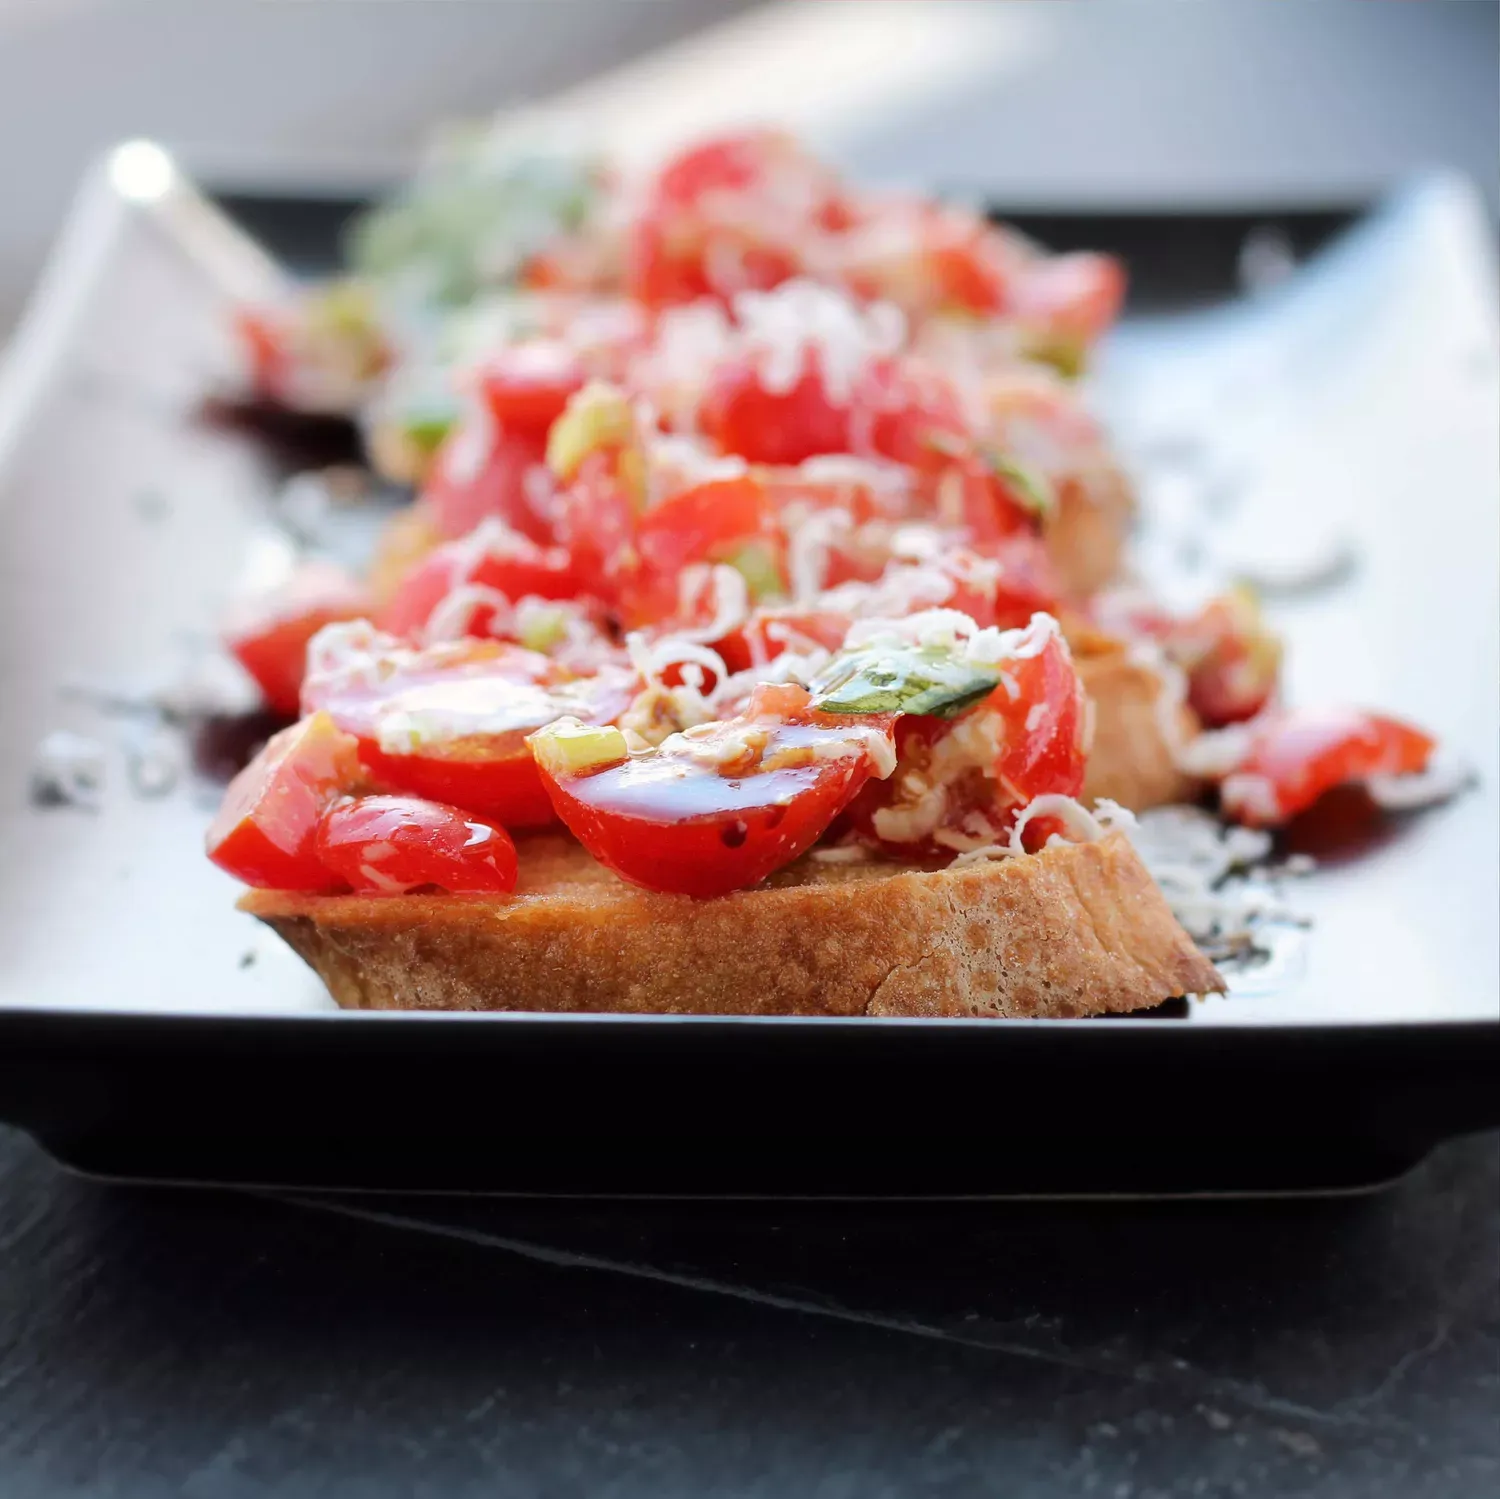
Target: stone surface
217	1345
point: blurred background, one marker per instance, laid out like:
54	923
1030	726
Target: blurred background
1166	102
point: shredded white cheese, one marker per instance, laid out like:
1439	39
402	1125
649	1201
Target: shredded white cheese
456	614
800	317
1446	775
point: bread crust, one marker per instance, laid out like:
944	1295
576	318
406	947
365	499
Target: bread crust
1079	929
1130	761
1087	530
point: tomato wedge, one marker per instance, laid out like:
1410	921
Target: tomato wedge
389	845
724	805
269	635
1295	756
449	721
265	832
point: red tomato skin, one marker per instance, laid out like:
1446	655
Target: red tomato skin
499	782
265	831
757	639
265	349
518	569
702	524
771	426
376	843
715	851
477	475
1046	756
1297	755
1025	586
528	399
1076	297
673	245
596	525
908	412
493	774
269	636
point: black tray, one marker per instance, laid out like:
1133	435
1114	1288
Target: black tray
147	1030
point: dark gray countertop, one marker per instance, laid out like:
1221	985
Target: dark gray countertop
157	1342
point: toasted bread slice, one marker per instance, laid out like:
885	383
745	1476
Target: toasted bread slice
1079	929
1130	760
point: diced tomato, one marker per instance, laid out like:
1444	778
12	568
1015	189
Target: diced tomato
263	339
727	215
708	523
702	524
265	832
966	277
527	385
1074	299
1043	751
268	635
1232	660
909	412
742	414
1017	747
450	721
1294	756
1005	586
792	497
674	820
768	632
596	524
484	470
971	493
493	557
392	844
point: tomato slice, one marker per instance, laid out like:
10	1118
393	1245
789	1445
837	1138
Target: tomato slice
527	385
389	845
449	721
493	557
265	832
721	807
745	411
1296	755
269	635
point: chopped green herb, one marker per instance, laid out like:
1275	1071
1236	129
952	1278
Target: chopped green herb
916	679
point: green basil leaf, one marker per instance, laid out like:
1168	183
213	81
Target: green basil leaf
923	680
